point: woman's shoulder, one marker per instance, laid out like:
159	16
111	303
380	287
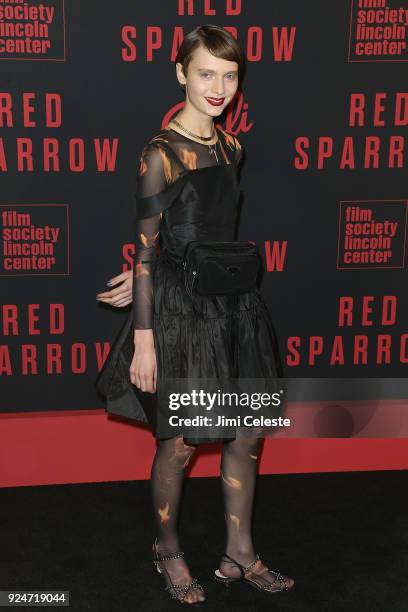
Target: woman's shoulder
234	145
158	158
230	139
156	152
157	139
161	145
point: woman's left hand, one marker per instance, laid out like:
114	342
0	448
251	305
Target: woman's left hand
122	294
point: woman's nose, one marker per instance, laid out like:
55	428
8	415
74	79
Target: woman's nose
219	87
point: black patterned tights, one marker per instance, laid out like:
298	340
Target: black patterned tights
238	474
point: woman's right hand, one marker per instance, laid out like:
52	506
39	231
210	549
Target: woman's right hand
143	369
121	296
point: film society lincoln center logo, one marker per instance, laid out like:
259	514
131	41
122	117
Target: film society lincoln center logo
32	30
372	234
34	239
378	31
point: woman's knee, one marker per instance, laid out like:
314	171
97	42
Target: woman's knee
182	451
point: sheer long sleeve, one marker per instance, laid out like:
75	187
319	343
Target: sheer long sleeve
151	185
147	237
239	151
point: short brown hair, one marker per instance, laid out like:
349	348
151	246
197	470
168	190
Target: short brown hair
217	41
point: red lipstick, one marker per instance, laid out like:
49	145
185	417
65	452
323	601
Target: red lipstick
215	101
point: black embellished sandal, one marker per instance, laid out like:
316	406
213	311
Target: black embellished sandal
280	579
175	590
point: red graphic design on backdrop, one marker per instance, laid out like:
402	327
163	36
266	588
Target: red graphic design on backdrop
278	45
358	349
236	115
257	42
42	112
50	332
42	347
32	30
372	234
385	150
378	31
34	239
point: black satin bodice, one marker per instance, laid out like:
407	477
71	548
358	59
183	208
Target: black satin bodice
186	191
206	209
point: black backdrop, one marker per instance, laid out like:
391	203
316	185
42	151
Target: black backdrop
111	89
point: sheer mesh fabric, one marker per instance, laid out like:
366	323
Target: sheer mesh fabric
238	477
164	159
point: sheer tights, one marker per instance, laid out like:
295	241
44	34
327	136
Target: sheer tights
238	476
168	469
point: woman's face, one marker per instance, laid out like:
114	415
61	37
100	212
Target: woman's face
209	77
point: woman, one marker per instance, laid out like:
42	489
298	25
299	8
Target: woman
187	190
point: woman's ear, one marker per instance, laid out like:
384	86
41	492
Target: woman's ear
180	75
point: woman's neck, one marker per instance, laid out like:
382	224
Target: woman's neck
192	127
202	126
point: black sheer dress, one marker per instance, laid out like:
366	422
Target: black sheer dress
186	192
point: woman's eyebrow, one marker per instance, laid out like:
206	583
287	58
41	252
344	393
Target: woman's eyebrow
209	70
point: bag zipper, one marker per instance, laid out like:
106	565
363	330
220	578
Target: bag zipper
209	257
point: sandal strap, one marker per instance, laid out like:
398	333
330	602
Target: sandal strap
175	589
278	575
273	587
183	589
283	586
241	567
252	564
159	557
175	555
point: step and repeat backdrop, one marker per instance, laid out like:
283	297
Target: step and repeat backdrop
323	117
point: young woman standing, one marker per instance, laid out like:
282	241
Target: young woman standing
188	190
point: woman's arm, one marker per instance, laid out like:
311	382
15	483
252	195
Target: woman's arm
152	183
145	370
239	151
146	241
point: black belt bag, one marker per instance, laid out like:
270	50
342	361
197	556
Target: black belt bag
220	268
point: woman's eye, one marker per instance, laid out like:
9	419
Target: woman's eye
230	76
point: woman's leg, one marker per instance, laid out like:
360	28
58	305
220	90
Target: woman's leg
167	477
238	474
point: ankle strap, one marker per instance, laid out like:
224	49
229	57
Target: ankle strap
242	567
251	564
159	557
174	555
